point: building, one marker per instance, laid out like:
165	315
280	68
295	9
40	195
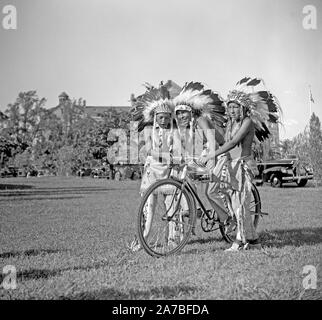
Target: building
69	110
97	112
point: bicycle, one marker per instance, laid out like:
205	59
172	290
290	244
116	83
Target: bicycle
167	212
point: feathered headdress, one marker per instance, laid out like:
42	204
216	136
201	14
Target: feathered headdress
261	106
193	97
146	106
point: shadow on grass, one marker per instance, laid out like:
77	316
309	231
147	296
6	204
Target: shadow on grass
35	274
15	186
292	186
205	240
274	238
32	252
59	191
44	198
165	292
286	186
291	237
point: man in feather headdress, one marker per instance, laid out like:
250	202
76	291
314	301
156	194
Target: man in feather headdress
247	112
200	118
153	110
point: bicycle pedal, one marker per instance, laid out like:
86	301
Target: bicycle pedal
186	214
213	215
199	213
164	217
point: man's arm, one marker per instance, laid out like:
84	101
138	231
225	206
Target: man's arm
145	151
240	135
220	140
212	133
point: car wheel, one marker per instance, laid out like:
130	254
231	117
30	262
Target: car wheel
276	181
301	183
117	176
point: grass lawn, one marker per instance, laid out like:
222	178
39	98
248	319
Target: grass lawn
67	238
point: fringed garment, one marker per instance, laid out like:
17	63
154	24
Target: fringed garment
233	178
157	169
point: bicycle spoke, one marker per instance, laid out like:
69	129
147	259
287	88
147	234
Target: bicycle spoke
156	243
151	242
166	228
184	223
254	205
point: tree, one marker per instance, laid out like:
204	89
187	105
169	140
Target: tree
24	117
65	161
315	147
23	160
63	138
286	147
7	149
258	150
300	147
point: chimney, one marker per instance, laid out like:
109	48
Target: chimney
63	97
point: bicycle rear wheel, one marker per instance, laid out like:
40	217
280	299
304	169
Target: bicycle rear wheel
165	218
255	209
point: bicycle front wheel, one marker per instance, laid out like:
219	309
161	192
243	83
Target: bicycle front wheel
165	218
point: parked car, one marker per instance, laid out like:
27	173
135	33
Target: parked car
84	172
102	172
41	173
9	171
22	172
32	172
277	172
128	171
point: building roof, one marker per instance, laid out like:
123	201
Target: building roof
63	94
96	113
91	110
173	88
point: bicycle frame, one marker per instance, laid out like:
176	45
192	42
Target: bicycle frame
190	189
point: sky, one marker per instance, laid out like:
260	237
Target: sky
104	50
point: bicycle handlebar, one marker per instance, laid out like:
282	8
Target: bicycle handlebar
190	166
187	161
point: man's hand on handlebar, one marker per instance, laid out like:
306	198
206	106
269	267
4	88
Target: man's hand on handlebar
202	161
